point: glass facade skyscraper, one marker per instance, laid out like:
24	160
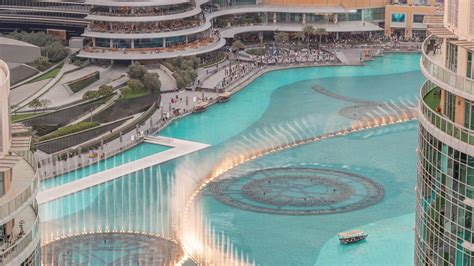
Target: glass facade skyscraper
445	182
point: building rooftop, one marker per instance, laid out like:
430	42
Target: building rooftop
9	41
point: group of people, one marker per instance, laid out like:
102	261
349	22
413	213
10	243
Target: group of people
380	41
145	27
286	56
234	73
140	11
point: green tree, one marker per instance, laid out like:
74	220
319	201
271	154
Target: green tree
105	90
308	31
90	95
299	35
40	38
45	103
136	71
180	82
55	52
236	47
135	84
260	37
281	37
151	81
35	104
42	63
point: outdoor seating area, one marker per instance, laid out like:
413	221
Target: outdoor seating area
145	27
141	11
153	50
285	56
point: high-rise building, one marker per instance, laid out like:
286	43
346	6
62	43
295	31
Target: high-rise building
60	17
445	179
404	18
19	221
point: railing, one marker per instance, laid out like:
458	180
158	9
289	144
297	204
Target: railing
440	121
20	245
59	167
24	195
443	74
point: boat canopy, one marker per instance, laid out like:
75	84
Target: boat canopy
202	104
225	94
352	233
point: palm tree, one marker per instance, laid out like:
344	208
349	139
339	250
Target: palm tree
238	45
281	37
308	31
260	37
320	32
299	35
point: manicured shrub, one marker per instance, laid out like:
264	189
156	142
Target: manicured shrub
42	63
69	130
135	84
81	83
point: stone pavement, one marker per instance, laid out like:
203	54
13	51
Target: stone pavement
24	91
66	67
167	82
59	95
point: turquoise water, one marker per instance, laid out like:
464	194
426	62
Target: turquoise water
285	98
390	241
139	152
297	240
400	79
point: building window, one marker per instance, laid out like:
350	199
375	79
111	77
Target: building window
452	60
148	43
469	71
372	14
453	6
418	18
449	105
101	42
118	43
234	2
398	17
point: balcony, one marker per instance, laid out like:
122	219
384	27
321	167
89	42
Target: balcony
428	108
24	186
433	68
189	49
24	239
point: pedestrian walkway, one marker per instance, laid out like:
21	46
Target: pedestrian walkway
179	148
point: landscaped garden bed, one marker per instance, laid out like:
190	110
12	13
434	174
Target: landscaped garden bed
81	83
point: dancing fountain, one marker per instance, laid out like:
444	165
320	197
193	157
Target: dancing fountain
157	205
193	231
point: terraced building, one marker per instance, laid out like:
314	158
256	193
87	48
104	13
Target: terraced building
19	220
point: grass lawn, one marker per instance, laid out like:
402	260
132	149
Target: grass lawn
19	117
48	75
432	100
127	93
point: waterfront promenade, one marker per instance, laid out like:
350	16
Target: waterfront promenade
175	104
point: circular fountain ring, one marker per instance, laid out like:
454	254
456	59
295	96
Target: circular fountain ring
298	191
111	249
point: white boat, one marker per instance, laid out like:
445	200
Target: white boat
351	236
